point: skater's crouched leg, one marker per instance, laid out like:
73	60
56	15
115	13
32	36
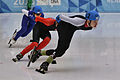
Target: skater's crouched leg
38	53
50	52
59	52
29	48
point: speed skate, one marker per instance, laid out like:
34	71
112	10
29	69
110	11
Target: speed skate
14	34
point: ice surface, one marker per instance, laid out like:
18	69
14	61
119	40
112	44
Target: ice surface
93	55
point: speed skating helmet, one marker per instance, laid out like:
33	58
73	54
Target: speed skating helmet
92	15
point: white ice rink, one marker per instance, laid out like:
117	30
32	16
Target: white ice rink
93	55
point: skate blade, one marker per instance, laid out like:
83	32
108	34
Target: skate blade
10	45
15	59
9	41
38	70
12	36
29	64
29	57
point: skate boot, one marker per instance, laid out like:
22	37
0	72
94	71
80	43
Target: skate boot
43	67
12	41
34	55
18	57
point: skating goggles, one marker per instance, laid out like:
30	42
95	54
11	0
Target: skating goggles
37	14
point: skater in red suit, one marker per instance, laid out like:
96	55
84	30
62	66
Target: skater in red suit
40	30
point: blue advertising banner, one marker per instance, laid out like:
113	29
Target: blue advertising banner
62	5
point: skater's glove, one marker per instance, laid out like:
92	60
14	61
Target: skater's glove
58	19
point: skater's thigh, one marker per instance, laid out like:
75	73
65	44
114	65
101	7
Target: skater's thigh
45	34
26	33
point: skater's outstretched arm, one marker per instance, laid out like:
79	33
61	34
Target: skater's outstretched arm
76	21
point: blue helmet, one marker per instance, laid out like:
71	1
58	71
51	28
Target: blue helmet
92	15
37	10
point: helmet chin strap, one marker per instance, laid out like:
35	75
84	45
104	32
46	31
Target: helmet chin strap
89	24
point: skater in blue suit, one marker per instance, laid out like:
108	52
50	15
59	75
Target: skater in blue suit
27	24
